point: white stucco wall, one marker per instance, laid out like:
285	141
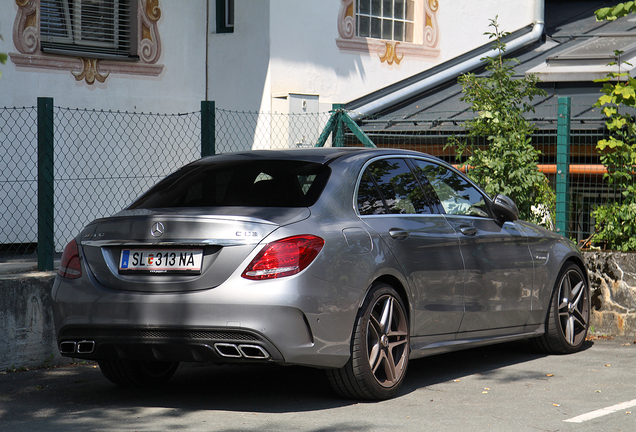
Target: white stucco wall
279	48
238	62
102	162
179	88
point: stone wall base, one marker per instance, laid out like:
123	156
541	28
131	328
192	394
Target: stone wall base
613	285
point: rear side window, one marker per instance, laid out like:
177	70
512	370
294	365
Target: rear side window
262	183
388	186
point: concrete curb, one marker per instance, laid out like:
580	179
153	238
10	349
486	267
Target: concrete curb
27	336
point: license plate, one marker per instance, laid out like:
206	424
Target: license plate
161	261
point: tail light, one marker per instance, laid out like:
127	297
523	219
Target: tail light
284	257
70	264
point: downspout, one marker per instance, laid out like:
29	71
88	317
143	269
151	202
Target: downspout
453	72
207	47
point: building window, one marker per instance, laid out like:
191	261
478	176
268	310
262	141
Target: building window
391	29
385	19
225	16
89	28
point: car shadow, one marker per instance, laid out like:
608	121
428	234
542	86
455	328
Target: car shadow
56	398
280	389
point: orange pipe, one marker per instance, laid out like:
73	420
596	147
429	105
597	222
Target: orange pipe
575	169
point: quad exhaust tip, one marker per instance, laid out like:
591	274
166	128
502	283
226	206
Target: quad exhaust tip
241	351
80	347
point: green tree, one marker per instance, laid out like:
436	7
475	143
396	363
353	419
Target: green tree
508	165
616	221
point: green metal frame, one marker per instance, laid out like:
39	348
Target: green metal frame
208	128
336	128
563	163
46	239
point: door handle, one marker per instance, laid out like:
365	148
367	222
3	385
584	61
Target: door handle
468	230
398	234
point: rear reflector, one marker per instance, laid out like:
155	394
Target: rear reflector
284	257
70	264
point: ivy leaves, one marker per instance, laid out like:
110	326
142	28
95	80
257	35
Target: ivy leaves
616	221
615	12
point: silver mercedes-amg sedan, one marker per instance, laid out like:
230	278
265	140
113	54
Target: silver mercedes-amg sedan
352	260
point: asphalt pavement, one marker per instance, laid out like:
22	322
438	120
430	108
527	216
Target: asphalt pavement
501	388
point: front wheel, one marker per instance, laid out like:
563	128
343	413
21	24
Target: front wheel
137	372
379	350
569	315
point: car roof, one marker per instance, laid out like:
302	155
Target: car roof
323	155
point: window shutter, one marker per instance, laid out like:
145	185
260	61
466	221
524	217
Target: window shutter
89	28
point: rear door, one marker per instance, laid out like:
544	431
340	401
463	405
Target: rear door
499	268
392	202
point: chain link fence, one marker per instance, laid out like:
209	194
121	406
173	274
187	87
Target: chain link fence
103	160
587	187
238	130
18	180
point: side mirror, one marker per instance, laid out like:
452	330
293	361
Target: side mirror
505	208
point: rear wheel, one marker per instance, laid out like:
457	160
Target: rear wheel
379	351
137	372
569	315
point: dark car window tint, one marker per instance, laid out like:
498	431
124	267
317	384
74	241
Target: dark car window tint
369	199
398	186
263	183
457	196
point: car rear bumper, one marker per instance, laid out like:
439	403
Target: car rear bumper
224	324
166	344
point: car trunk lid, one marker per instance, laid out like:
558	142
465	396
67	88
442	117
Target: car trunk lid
176	249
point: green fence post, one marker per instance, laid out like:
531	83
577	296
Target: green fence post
46	240
338	136
563	163
208	128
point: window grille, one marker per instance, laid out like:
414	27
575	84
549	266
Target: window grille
385	19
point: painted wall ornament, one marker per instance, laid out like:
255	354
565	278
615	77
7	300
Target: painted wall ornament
26	39
390	54
425	42
89	72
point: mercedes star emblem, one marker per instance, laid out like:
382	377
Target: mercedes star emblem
157	229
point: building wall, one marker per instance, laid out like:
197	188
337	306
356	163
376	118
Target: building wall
279	48
179	87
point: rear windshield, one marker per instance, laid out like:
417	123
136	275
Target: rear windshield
262	183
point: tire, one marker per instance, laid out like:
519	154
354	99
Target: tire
569	314
137	373
379	348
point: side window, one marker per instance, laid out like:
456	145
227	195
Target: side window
457	196
397	187
369	199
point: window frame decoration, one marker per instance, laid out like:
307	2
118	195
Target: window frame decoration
89	67
425	42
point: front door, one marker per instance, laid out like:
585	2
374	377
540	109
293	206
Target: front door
497	260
